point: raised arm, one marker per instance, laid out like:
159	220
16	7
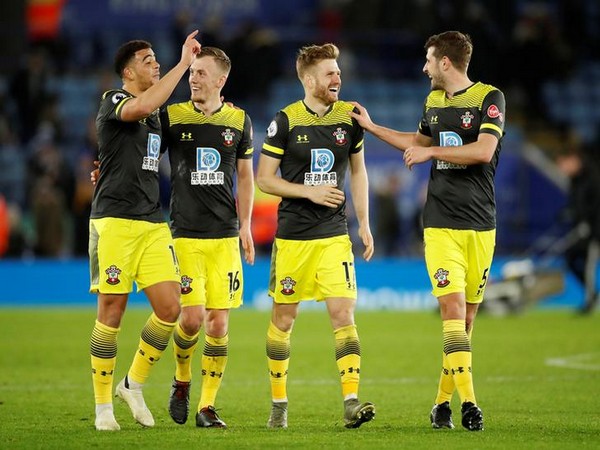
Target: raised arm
153	98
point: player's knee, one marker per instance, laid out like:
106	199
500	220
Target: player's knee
168	311
217	326
283	323
190	323
342	317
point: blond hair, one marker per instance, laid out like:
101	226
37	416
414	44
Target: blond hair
310	55
220	57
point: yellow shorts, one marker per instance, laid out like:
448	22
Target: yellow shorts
312	270
123	251
211	272
459	261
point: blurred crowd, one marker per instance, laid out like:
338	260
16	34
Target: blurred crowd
45	191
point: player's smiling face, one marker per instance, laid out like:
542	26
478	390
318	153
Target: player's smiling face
327	81
433	70
205	79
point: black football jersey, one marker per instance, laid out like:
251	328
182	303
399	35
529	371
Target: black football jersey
203	154
462	196
129	153
313	150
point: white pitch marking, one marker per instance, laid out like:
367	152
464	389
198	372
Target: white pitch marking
585	361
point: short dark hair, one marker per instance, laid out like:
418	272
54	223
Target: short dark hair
126	52
219	55
458	47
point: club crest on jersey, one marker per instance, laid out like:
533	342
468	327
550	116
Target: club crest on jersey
113	273
186	284
228	137
467	120
288	286
442	278
340	136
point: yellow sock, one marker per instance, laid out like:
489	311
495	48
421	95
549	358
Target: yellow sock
214	360
347	357
103	352
183	349
458	354
446	384
153	342
278	358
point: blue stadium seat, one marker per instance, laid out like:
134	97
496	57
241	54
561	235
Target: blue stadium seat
77	103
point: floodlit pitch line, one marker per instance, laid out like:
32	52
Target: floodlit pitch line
322	381
407	381
333	381
584	361
68	387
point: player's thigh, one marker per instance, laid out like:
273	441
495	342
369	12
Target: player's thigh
336	277
158	261
445	258
113	246
481	253
293	270
225	277
192	256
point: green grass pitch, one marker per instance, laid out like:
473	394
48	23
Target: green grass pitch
537	379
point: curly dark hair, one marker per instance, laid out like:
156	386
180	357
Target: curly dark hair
126	52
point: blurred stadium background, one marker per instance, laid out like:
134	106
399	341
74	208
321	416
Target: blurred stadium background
56	60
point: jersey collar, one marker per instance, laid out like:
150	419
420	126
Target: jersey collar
462	91
202	112
311	112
